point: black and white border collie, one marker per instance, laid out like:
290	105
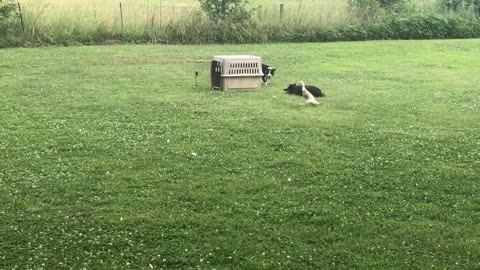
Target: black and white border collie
268	73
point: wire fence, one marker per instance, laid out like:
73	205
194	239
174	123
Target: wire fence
158	12
144	13
127	14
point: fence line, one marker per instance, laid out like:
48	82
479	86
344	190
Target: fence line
124	14
131	15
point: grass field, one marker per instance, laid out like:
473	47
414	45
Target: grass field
110	158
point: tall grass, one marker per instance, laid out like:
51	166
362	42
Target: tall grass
140	14
167	21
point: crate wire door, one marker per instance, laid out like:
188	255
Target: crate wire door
216	74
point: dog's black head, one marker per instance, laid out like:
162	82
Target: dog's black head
291	89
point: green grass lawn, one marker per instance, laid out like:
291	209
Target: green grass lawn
110	158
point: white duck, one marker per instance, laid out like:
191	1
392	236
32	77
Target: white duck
309	98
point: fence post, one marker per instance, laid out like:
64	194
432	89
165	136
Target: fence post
161	17
282	10
121	15
21	16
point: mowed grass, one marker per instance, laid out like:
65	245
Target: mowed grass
110	158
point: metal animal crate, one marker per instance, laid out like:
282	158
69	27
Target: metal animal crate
236	72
